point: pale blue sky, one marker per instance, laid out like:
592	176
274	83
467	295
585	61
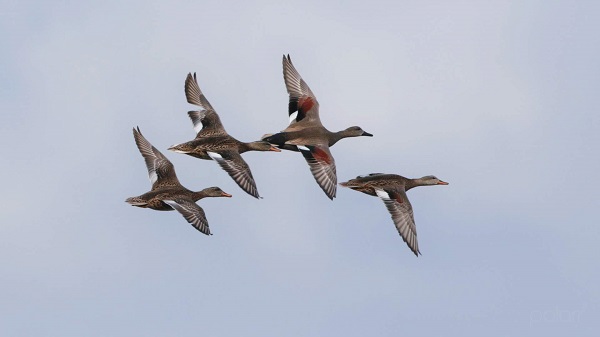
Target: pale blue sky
497	98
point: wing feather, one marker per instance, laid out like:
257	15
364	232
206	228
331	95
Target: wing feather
206	121
193	213
322	166
237	168
160	170
400	209
302	104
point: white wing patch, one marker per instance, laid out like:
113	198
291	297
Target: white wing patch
198	127
197	117
303	148
153	176
293	116
214	155
170	203
382	194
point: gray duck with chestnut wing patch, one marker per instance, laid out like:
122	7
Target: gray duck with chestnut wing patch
305	132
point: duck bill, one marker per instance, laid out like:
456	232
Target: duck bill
442	183
223	194
365	133
274	149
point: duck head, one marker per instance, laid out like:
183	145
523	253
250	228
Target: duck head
214	192
432	180
356	131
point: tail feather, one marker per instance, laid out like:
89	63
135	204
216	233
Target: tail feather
136	201
278	139
353	185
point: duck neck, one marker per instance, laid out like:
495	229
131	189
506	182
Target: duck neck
255	146
410	183
198	195
334	137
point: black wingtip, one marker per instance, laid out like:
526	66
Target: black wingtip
189	77
257	196
331	197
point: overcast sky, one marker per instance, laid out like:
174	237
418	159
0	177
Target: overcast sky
500	99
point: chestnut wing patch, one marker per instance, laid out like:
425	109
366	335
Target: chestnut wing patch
322	167
299	106
321	155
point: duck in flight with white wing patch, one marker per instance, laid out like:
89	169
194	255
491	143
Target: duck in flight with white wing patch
167	193
391	188
212	142
306	134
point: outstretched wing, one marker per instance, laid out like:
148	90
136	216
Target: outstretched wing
237	168
303	103
194	95
193	213
399	206
322	166
160	170
205	121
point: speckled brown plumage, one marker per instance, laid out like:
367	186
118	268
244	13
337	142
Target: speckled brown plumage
391	188
212	142
167	193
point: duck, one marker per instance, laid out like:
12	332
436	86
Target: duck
212	142
391	188
305	132
167	193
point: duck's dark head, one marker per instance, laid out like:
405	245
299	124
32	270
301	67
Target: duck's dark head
214	192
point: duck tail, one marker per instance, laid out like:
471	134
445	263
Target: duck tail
136	201
278	139
352	183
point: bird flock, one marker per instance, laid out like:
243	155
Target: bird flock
305	134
